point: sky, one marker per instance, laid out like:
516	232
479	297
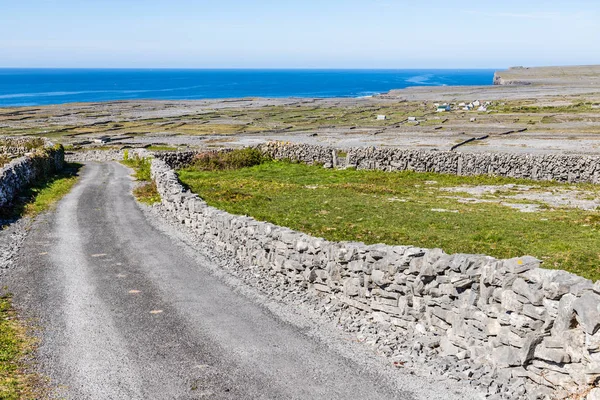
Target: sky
298	34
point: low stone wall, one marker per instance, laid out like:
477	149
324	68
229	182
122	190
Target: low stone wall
104	155
561	168
306	153
177	159
21	172
19	146
94	155
508	325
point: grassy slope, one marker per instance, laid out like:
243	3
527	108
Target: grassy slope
15	382
396	208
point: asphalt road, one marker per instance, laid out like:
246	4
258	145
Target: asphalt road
125	314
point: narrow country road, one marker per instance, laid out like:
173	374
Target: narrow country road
125	315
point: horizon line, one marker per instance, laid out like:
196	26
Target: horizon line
265	68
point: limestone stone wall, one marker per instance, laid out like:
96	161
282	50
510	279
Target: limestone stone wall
561	168
519	331
104	155
19	146
21	172
177	159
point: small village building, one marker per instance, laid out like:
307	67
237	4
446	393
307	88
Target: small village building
102	140
444	108
381	118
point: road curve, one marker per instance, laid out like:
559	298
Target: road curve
125	314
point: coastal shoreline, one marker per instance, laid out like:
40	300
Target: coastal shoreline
556	116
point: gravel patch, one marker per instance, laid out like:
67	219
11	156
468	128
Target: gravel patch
12	236
509	195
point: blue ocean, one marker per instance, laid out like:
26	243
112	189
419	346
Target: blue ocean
33	87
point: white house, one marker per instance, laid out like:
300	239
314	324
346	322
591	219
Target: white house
381	118
476	103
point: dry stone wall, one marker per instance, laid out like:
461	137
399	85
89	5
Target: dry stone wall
19	146
104	155
21	172
519	331
177	159
561	168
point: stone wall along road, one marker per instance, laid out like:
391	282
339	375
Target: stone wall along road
518	330
21	172
560	168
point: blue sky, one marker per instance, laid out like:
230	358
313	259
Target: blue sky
298	34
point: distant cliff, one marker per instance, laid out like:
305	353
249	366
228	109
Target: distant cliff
501	79
586	75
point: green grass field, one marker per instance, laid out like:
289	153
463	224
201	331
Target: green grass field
404	208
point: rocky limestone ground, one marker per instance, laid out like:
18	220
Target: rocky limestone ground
12	235
553	111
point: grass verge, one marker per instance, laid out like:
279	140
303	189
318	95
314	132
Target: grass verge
146	191
43	194
15	382
404	208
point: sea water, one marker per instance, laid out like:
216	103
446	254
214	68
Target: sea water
32	87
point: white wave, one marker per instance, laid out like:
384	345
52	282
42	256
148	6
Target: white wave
42	94
420	79
125	91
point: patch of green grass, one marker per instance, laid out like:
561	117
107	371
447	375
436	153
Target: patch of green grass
161	148
43	194
15	383
236	159
146	192
399	208
141	166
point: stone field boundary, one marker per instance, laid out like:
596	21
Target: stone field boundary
21	172
508	325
